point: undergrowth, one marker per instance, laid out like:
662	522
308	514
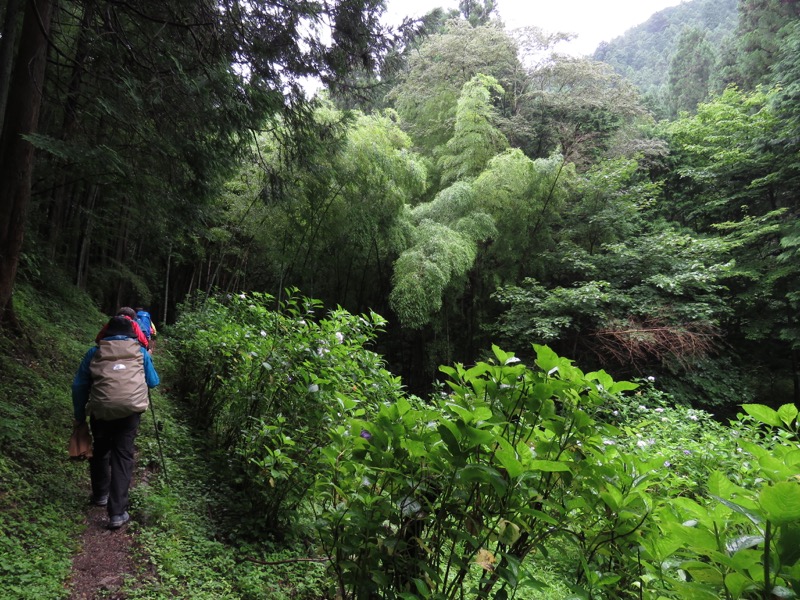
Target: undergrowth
42	494
191	524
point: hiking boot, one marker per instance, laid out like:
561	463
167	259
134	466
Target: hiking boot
99	500
118	521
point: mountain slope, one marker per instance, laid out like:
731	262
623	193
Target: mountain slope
643	54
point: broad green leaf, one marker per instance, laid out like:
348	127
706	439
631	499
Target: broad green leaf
737	583
781	502
549	466
601	377
415	447
546	359
776	469
755	518
466	414
623	386
403	405
787	413
789	544
484	474
479	437
720	485
507	457
508	532
534	514
792	458
754	449
422	588
450	436
695	591
763	413
696	538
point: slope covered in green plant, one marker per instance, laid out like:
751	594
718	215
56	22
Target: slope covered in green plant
644	53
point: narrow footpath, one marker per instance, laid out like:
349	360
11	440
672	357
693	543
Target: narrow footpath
105	561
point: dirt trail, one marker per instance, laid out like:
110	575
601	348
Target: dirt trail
105	560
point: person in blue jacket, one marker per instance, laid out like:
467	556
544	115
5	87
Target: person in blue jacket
145	322
112	387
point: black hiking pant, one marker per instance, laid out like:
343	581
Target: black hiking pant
111	466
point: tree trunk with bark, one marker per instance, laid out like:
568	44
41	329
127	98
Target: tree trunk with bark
7	47
16	154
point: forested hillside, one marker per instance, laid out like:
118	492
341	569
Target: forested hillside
468	273
675	48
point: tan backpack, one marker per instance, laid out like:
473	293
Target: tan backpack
118	388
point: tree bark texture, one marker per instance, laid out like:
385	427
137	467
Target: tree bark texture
7	47
16	154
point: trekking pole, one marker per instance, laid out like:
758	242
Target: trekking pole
158	437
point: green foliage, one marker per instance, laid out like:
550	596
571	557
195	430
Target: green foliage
42	493
336	206
734	178
423	273
650	304
475	137
428	95
690	71
571	106
762	32
263	381
420	495
722	171
643	54
742	540
194	528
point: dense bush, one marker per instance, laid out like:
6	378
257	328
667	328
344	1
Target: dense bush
269	384
513	471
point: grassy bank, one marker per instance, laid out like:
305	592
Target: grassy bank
193	532
42	494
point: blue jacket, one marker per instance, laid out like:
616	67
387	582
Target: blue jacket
82	383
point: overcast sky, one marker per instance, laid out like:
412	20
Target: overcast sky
593	21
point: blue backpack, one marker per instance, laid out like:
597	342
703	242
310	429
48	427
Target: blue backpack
143	317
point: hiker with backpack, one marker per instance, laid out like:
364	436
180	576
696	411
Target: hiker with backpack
130	314
145	322
112	387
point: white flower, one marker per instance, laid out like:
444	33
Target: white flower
242	296
642	407
641	444
692	417
263	333
667	463
609	442
313	388
339	337
651	379
615	413
659	410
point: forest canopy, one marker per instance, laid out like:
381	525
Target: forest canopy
461	179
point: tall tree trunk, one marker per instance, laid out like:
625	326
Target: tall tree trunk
82	270
166	286
7	43
57	211
16	154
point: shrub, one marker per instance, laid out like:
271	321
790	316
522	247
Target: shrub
269	383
